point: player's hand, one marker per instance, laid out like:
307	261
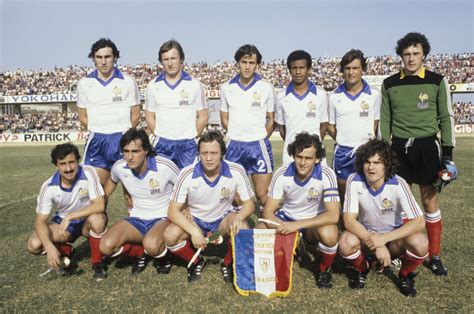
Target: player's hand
54	258
187	215
63	227
199	241
375	240
451	169
383	256
237	225
287	227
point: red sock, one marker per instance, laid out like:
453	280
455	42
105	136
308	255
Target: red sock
64	249
133	250
94	244
228	258
410	263
325	260
184	251
359	262
434	229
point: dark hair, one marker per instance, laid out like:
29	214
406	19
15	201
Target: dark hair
170	44
299	55
304	140
137	134
413	39
104	43
381	148
62	150
247	50
211	136
352	55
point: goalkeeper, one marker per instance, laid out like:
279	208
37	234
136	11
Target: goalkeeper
416	106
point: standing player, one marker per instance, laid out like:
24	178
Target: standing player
208	188
376	200
247	106
415	106
108	105
75	192
150	181
303	106
354	110
173	99
310	201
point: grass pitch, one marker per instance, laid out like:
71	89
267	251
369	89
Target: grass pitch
24	169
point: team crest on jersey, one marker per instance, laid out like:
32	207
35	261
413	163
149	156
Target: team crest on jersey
311	113
154	186
225	195
364	110
313	194
423	104
264	264
184	98
256	100
83	194
117	91
387	207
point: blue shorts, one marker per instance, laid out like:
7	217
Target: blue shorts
255	157
74	228
209	226
344	161
102	150
181	152
143	225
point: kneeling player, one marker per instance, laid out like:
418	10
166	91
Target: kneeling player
75	192
149	179
208	187
375	201
310	201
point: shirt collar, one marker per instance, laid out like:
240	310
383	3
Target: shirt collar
420	74
150	166
199	171
184	76
236	80
56	180
317	172
116	74
365	88
311	89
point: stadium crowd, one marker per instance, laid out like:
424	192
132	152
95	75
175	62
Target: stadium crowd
458	68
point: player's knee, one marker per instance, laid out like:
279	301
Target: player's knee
171	235
34	245
418	243
107	245
348	243
97	223
152	244
329	235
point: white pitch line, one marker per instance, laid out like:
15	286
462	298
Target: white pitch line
17	201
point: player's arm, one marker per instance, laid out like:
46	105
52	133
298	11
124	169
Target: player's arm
150	121
270	123
446	120
176	216
109	188
323	129
377	240
376	128
135	115
83	117
225	120
385	116
282	130
44	234
271	206
96	206
245	211
201	122
332	131
354	226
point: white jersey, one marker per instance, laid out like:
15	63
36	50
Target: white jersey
52	195
247	108
354	116
209	201
303	200
108	103
151	191
380	211
175	106
300	113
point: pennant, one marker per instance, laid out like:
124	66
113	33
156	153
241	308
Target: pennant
263	262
